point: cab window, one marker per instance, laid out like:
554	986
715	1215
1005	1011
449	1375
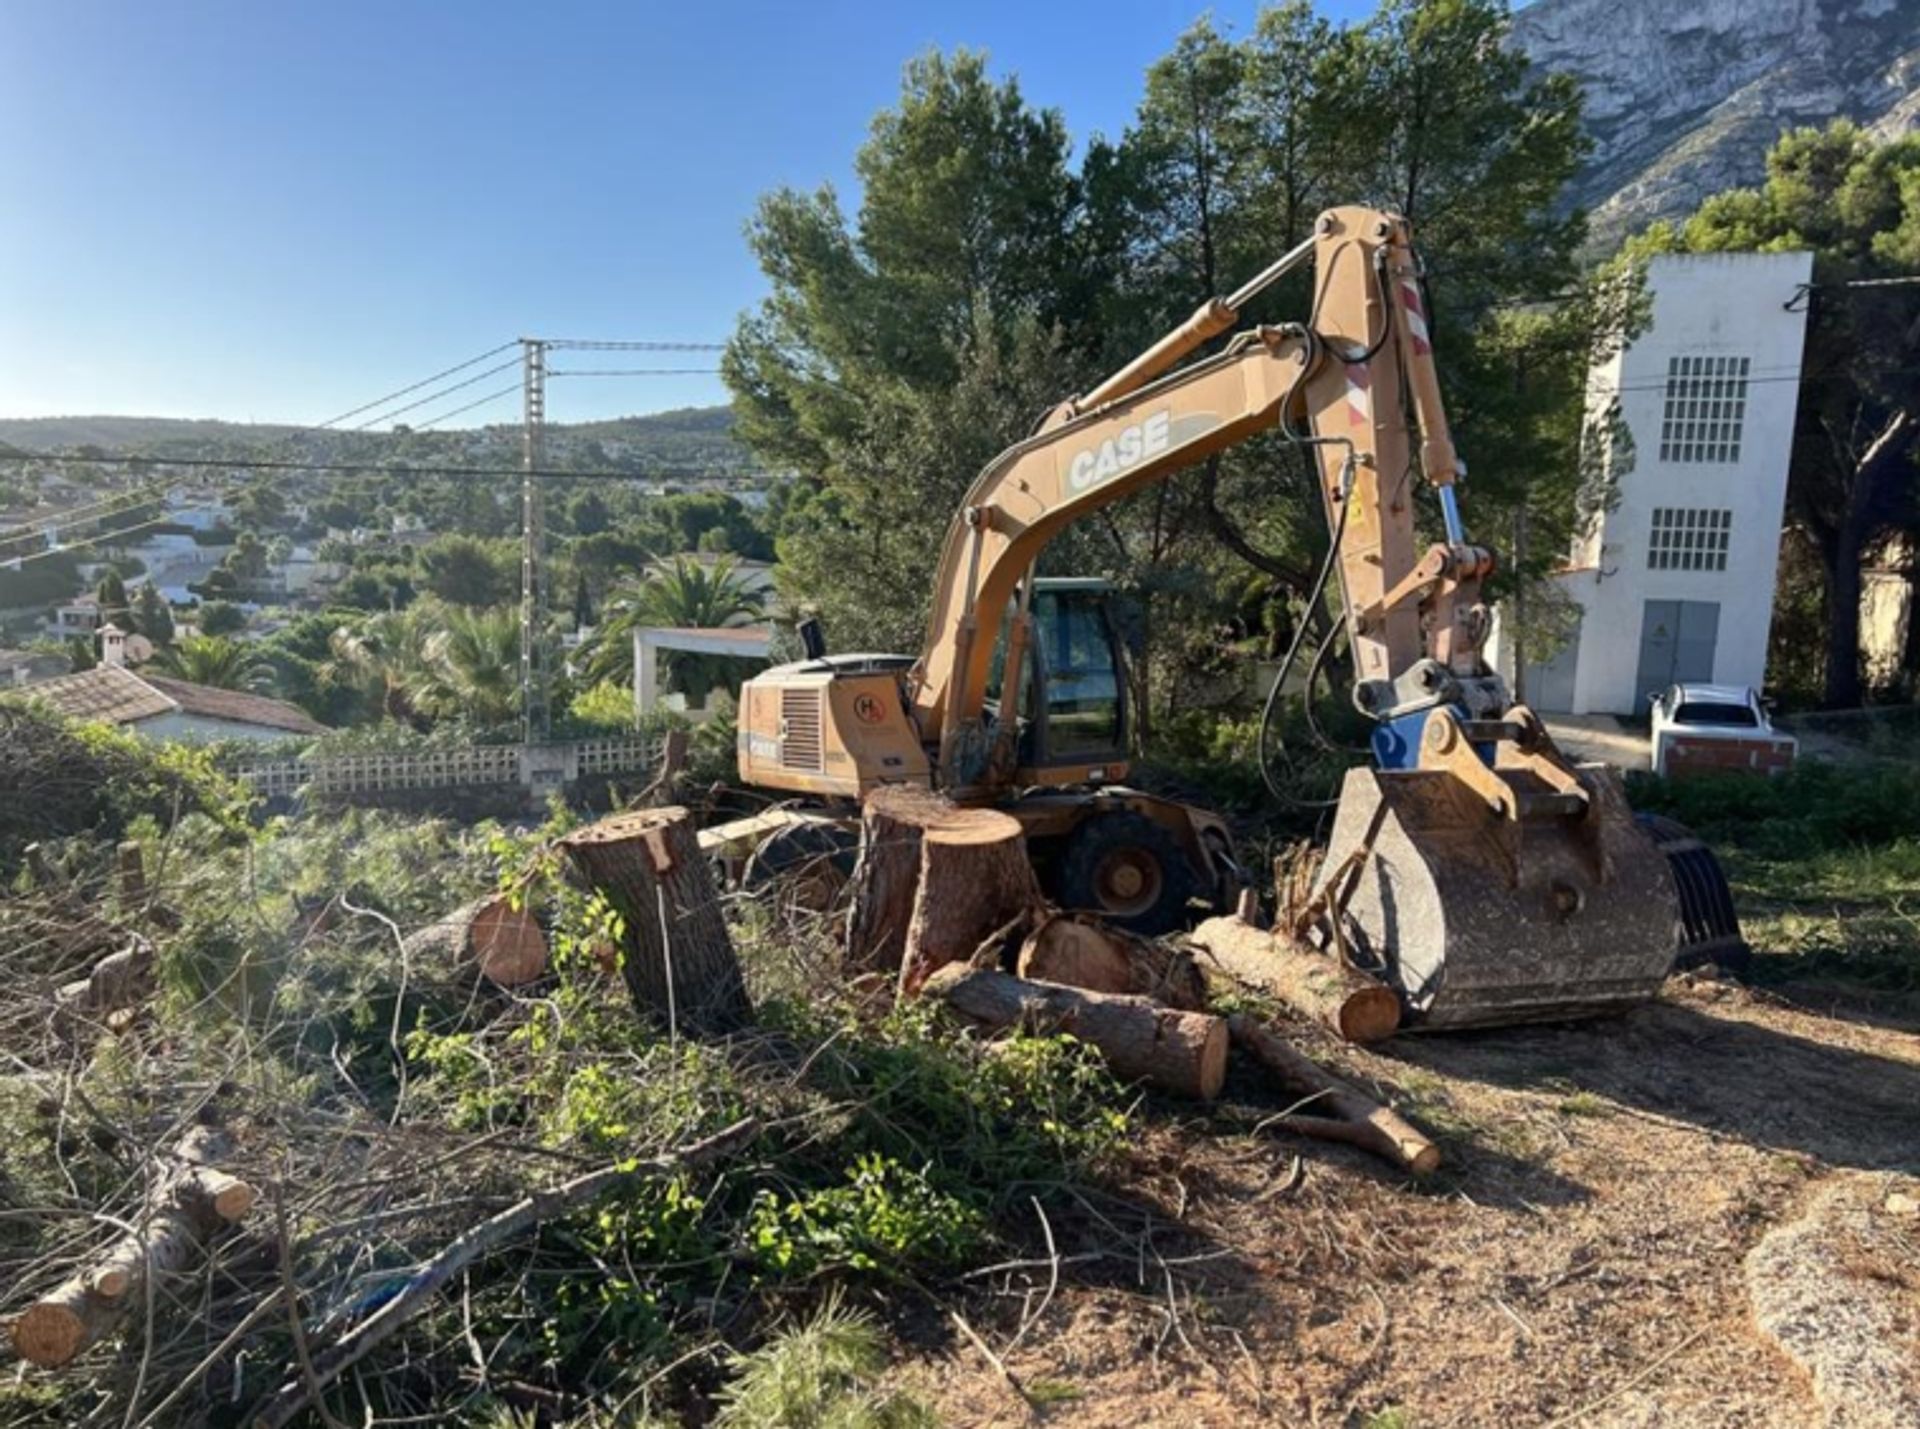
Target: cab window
1083	710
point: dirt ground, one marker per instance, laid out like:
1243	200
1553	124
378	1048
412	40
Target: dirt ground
1582	1257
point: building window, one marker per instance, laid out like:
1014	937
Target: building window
1689	538
1706	407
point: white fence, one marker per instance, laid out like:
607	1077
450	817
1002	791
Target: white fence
471	767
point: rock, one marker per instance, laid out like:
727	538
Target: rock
1834	1291
1684	100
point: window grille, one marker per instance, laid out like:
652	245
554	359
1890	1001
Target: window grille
1689	538
1705	410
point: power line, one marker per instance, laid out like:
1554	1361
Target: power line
583	344
413	387
436	396
495	396
634	372
385	468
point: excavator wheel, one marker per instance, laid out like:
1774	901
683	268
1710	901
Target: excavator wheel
1709	927
1129	870
811	862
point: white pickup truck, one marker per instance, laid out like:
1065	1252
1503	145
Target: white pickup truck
1712	727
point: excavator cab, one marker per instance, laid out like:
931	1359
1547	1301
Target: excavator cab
1075	718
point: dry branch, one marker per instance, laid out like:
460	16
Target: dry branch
1358	1007
297	1395
1180	1052
190	1201
118	982
1354	1117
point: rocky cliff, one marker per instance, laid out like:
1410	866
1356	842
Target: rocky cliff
1685	96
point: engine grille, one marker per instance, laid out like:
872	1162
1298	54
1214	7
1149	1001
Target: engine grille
800	746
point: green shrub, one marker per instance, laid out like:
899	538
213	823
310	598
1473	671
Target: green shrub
1817	805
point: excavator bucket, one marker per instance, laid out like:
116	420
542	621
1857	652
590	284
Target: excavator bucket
1479	918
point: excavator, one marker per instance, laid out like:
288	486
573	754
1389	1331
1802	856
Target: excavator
1475	868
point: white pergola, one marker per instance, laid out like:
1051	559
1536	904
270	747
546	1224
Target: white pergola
742	642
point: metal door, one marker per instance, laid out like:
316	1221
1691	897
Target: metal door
1677	639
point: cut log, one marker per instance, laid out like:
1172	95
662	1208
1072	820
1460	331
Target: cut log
1337	1110
1080	951
976	880
675	951
1175	1051
893	821
130	874
1314	984
190	1201
118	982
504	944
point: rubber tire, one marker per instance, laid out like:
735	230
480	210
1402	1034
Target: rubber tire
795	847
1076	877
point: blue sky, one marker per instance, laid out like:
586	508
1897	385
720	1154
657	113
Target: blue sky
258	210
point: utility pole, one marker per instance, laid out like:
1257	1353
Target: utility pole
535	715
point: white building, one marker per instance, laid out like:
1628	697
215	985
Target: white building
1676	581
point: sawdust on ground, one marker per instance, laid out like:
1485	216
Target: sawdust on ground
1584	1256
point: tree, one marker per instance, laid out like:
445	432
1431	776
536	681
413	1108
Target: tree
112	595
465	570
683	595
216	661
587	514
221	617
380	656
471	667
1857	426
153	616
898	352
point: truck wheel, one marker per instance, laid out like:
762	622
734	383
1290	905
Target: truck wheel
810	862
1129	870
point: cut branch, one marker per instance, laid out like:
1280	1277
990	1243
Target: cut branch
1353	1116
1315	984
297	1395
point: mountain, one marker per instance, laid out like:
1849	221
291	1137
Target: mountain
689	439
1684	97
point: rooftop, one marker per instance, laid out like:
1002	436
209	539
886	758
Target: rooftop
119	696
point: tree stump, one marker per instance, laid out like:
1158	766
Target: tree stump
1080	951
1312	983
190	1201
975	879
1180	1052
676	953
504	944
893	822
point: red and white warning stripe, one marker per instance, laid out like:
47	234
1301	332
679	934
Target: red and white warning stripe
1416	316
1359	395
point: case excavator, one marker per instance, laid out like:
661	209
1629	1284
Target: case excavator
1476	869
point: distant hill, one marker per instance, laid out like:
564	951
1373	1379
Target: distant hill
685	439
1684	99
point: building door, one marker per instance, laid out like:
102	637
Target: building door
1676	645
1550	682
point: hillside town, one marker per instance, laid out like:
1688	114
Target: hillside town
1228	745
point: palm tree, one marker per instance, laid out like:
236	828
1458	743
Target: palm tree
472	666
383	656
214	660
685	594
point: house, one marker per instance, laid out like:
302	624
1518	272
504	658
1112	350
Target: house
1674	581
79	616
158	707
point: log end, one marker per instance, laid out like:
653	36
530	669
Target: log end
49	1334
1369	1014
1212	1064
508	944
233	1200
1423	1159
110	1282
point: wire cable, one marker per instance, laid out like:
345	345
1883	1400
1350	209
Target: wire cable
432	397
427	422
1267	712
404	391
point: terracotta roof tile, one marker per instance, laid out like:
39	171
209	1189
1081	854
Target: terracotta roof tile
119	696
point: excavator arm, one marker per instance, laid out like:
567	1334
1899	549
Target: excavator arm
1346	380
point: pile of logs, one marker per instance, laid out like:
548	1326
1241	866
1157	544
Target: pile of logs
188	1202
946	903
